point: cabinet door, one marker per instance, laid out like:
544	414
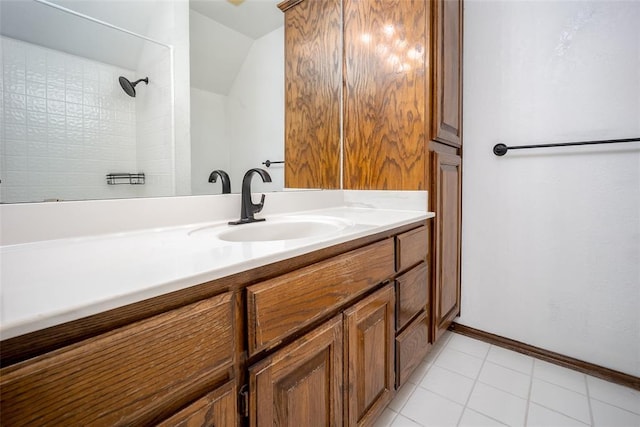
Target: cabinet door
447	66
300	385
313	79
369	341
216	409
446	187
385	85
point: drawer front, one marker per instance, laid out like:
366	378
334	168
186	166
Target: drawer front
283	305
218	408
412	294
412	346
118	377
411	248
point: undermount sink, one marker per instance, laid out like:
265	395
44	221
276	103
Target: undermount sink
283	228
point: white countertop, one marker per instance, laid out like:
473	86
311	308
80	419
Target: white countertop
51	282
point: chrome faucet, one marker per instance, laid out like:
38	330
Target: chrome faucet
224	179
248	208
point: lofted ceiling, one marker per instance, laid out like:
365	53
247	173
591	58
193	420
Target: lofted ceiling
253	18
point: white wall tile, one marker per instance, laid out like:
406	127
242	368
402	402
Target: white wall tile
48	127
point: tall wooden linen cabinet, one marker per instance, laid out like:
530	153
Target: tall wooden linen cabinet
374	102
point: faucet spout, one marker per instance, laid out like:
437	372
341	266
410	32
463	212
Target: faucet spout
247	208
224	179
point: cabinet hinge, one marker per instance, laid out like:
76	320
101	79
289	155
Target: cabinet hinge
243	401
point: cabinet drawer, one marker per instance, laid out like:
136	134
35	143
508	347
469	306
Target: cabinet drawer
218	408
281	306
412	346
116	378
412	294
411	248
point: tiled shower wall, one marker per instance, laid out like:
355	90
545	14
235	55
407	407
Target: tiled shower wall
65	123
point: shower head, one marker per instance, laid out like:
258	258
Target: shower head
130	88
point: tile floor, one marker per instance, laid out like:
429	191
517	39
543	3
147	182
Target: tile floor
465	382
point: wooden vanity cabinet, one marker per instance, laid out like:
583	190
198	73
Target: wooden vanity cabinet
446	123
445	197
133	375
218	408
413	310
369	349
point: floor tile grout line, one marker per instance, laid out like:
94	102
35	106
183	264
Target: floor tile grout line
614	405
473	387
560	413
558	385
586	383
508	367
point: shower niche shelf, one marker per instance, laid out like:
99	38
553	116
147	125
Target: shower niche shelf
125	178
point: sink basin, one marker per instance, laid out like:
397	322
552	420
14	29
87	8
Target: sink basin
282	228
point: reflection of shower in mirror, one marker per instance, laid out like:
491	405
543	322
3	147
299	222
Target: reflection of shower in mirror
130	88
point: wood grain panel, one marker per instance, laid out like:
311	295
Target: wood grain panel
300	385
447	66
313	62
412	346
412	290
128	376
218	408
447	194
281	306
384	100
369	351
411	248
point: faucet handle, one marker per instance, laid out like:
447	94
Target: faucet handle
257	207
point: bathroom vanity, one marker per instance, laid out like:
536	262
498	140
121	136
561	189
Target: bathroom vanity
319	331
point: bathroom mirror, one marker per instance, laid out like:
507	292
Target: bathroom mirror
71	116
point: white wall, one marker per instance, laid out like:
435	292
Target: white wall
551	238
217	53
256	113
209	140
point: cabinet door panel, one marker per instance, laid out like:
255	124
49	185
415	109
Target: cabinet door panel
300	385
313	78
447	45
369	349
447	185
218	408
385	85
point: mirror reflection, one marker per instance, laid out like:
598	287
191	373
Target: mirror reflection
208	80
